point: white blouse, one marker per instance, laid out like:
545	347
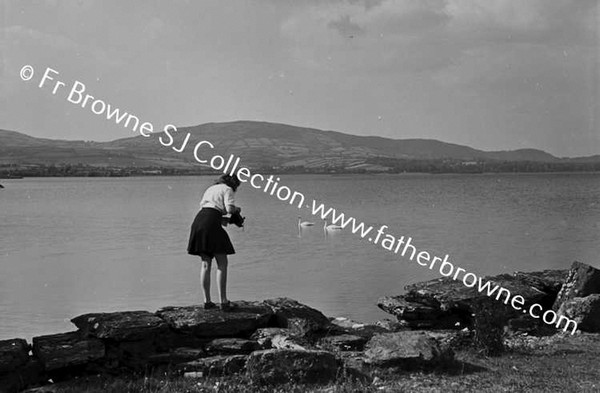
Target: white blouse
220	197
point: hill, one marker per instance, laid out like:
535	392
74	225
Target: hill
264	145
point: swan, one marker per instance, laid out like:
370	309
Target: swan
304	223
331	227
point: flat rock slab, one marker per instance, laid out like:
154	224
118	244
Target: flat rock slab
344	342
274	366
299	318
195	320
177	356
215	365
231	346
13	354
583	310
57	351
408	349
583	280
120	326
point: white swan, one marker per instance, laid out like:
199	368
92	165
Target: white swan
331	227
304	223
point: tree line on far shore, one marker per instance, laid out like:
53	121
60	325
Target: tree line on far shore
392	165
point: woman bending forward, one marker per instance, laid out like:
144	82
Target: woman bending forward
209	240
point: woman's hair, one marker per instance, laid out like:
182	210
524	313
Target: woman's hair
231	181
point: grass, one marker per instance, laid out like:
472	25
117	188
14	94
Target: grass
561	363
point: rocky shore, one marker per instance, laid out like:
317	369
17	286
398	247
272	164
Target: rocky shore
281	340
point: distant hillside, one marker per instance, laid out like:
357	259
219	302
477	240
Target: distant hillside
259	144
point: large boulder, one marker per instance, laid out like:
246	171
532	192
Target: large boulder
585	311
195	320
301	319
583	280
63	350
275	366
407	349
13	354
121	326
446	303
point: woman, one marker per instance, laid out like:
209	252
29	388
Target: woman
208	239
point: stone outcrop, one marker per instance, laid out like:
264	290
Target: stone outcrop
407	349
282	340
197	321
121	326
583	310
583	280
299	318
284	365
13	354
445	303
215	365
64	350
343	342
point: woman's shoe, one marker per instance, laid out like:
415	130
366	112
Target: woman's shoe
209	305
227	306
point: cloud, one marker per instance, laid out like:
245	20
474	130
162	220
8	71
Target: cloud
400	33
346	27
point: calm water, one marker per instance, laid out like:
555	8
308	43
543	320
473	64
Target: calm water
72	246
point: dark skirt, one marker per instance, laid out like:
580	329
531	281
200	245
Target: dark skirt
207	236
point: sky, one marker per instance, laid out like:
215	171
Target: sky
490	74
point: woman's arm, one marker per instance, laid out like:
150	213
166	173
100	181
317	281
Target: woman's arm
230	206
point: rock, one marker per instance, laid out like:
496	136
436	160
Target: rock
13	354
62	350
427	314
346	324
354	365
523	324
342	325
406	349
177	356
299	318
216	365
280	338
343	342
583	280
287	342
231	346
446	303
29	374
120	326
131	354
583	310
197	321
274	366
389	325
264	335
549	281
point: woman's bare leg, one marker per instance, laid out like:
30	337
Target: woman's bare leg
222	276
205	278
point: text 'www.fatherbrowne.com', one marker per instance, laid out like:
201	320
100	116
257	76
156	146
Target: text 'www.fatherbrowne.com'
77	94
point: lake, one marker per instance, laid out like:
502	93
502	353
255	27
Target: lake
76	245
